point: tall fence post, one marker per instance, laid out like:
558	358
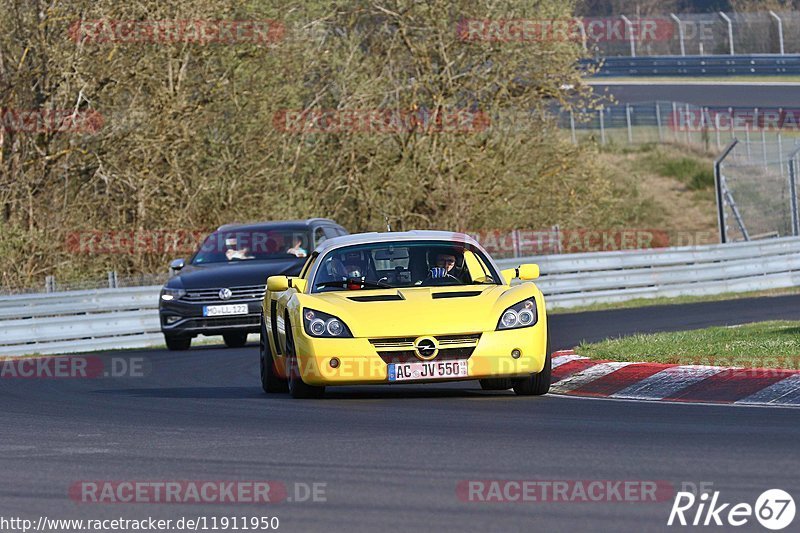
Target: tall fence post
780	30
674	118
631	36
572	126
747	140
602	126
780	153
658	122
718	186
680	32
628	122
728	20
793	192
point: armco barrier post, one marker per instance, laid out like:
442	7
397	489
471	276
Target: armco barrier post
718	186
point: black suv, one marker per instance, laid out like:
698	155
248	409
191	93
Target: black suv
219	291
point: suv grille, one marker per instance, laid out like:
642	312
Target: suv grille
238	294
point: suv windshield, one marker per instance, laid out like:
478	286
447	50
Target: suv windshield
253	245
403	264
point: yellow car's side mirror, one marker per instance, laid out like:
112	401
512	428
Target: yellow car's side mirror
277	283
528	272
525	272
282	283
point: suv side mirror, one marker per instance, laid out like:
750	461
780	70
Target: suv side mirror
177	264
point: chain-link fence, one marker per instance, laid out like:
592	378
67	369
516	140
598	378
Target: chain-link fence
111	281
757	194
765	32
765	134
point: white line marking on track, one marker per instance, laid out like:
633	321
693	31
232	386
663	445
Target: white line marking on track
667	382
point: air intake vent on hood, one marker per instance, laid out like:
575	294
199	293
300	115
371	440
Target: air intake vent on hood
459	294
376	298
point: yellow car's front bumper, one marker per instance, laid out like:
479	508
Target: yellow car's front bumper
359	362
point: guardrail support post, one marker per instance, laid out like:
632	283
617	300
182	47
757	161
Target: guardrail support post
50	284
780	30
631	36
718	186
680	32
727	19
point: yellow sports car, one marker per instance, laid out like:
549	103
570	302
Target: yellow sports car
403	307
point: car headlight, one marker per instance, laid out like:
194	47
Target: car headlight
521	315
169	294
319	324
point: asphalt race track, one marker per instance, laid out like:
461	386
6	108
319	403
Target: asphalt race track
390	458
711	94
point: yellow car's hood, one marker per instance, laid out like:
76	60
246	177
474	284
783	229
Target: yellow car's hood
419	310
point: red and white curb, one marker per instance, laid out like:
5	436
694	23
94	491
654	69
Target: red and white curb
580	376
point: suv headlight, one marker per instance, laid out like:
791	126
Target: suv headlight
319	324
169	294
521	315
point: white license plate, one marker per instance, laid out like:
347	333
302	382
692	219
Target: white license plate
427	370
225	310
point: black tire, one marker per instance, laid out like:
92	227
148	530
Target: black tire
270	381
539	383
235	340
496	383
297	387
177	343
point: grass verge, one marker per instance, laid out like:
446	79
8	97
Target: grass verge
773	344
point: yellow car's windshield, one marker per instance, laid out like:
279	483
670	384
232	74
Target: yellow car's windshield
403	264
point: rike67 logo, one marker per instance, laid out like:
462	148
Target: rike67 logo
774	509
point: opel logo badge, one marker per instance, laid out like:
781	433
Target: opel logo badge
225	294
425	348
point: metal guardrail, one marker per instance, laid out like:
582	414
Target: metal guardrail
108	319
717	65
